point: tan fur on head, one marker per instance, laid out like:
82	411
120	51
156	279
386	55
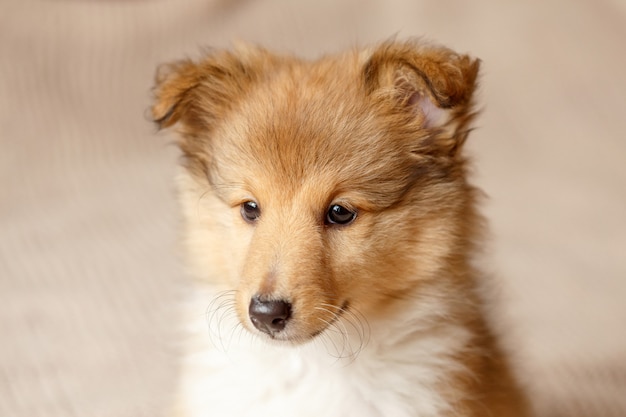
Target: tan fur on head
377	132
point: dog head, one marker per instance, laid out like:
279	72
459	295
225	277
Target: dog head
313	188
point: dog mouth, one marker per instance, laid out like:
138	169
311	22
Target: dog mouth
335	316
276	319
339	329
344	333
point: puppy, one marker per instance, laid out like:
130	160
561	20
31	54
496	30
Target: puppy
332	231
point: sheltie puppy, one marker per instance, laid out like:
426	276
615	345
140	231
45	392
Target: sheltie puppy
332	232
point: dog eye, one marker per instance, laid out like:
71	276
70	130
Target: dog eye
339	215
250	211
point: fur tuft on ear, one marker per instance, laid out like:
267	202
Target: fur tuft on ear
433	85
174	83
196	94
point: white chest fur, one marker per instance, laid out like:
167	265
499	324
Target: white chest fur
399	372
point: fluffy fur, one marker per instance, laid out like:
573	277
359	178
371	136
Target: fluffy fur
385	315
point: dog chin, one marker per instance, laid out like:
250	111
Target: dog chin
286	338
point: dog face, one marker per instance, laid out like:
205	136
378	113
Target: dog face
316	188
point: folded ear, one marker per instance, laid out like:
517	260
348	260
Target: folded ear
198	93
173	91
432	86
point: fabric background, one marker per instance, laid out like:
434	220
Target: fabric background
89	277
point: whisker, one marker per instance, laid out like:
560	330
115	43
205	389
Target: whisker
350	324
339	353
360	324
346	350
204	194
220	308
233	328
241	330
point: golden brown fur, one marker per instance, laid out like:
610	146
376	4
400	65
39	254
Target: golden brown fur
379	131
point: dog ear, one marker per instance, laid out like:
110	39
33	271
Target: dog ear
196	94
431	86
173	91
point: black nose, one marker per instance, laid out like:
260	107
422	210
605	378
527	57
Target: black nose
269	316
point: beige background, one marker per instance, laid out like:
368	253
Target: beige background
89	281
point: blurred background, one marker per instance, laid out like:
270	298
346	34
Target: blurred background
89	274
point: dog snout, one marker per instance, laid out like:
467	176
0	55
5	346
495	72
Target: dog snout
269	316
